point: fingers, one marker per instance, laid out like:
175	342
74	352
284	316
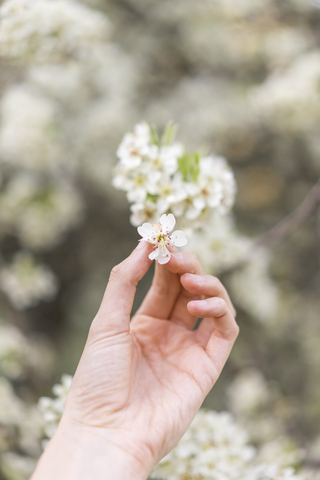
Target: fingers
166	297
223	331
113	316
162	295
181	263
208	286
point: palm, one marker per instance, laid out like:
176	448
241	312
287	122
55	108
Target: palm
171	364
150	377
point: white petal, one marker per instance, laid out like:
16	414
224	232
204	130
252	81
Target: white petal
138	195
168	222
153	255
162	205
179	238
192	189
146	230
162	259
199	203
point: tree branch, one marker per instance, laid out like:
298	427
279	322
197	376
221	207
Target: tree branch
286	226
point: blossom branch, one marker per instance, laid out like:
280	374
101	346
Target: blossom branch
286	226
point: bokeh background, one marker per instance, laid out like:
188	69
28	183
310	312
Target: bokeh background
242	80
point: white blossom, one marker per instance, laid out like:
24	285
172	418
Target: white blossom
249	392
26	283
290	98
142	212
39	213
29	131
219	245
52	409
216	448
160	173
45	30
17	467
134	146
214	189
254	290
158	235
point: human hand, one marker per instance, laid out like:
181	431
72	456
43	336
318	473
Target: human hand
138	385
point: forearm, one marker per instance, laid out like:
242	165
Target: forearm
76	454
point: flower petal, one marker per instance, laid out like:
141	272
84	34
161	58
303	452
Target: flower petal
146	230
164	257
153	255
168	222
179	238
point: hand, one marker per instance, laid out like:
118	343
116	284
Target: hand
139	385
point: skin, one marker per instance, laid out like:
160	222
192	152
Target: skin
139	384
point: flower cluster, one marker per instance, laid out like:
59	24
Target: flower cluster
26	283
52	409
22	356
213	448
216	448
159	176
43	30
220	246
29	133
286	96
253	288
39	212
20	427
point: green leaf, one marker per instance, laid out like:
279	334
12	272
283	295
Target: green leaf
189	166
169	133
154	136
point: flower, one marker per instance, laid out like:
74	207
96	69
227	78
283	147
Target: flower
158	235
52	409
26	283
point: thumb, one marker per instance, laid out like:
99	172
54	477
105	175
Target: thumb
113	316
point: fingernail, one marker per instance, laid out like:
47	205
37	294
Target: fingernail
202	303
178	256
141	244
197	278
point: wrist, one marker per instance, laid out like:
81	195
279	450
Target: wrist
82	453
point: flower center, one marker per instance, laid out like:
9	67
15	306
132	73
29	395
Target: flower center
162	239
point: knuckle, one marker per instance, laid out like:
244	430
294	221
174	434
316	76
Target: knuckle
236	330
193	260
116	271
215	284
220	306
95	328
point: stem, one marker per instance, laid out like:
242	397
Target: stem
286	226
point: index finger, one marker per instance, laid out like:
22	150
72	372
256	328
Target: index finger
166	287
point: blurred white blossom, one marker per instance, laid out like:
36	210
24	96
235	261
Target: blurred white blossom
254	290
29	136
46	30
27	283
39	213
220	246
216	448
248	392
17	467
290	99
52	409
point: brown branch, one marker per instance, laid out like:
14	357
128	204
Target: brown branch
286	226
283	229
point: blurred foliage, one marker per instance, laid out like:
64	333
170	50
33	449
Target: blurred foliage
240	79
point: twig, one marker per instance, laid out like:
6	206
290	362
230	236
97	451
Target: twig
282	230
285	227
